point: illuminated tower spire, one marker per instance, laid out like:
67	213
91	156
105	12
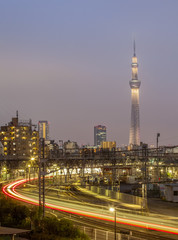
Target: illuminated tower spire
134	49
134	138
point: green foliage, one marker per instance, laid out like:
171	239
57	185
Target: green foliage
19	213
19	216
4	208
52	228
5	238
13	214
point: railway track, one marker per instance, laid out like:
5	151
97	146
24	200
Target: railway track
107	226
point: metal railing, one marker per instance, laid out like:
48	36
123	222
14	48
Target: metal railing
98	234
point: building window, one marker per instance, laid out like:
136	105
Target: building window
175	193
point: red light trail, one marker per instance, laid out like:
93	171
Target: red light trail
10	190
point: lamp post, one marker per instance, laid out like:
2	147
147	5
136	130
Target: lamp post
112	209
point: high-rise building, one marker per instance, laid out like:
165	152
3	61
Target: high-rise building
19	139
134	138
43	128
99	135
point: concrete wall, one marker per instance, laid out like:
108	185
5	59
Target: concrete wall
123	197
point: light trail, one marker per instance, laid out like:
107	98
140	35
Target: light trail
10	190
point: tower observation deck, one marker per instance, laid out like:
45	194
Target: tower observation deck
134	138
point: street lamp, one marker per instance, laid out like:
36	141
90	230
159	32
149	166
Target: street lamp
112	209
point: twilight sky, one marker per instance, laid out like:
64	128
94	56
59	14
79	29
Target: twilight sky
69	62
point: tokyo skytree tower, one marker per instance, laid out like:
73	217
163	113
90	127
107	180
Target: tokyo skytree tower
134	138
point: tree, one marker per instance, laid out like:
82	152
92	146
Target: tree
19	213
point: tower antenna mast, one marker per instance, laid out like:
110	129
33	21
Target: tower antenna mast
134	138
134	49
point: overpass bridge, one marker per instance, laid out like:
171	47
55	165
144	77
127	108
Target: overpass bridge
160	163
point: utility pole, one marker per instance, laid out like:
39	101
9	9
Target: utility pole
43	166
40	181
157	137
144	189
113	168
42	175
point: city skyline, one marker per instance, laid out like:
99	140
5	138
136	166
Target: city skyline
70	63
